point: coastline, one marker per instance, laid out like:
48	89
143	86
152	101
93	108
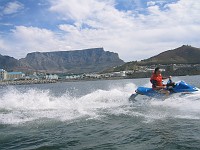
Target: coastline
47	81
26	82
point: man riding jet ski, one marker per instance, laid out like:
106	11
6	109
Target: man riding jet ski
159	89
157	82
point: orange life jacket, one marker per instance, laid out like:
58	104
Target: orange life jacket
156	79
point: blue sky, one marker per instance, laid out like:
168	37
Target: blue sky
135	29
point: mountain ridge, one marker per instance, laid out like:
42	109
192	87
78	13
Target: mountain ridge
8	63
95	60
182	55
77	61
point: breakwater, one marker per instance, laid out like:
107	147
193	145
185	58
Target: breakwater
24	82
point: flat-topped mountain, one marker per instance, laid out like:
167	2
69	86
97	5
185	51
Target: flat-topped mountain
94	60
79	61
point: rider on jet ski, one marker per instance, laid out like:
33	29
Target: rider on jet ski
157	82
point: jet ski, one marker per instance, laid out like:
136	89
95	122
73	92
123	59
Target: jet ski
180	87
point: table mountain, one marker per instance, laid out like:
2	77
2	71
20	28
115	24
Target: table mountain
79	61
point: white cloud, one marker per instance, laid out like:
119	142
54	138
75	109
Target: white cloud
76	9
3	45
29	39
128	33
12	7
151	3
69	28
157	2
97	23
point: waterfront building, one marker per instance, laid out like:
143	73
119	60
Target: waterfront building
32	77
3	74
91	75
73	77
14	75
52	77
119	74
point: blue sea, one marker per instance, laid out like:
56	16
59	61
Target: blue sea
97	115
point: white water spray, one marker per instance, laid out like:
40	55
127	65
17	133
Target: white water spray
19	107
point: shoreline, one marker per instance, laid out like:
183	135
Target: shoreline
26	82
45	81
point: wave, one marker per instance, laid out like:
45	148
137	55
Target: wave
17	106
179	106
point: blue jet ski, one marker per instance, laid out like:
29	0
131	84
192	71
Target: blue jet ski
180	87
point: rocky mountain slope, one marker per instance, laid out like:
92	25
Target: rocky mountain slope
94	60
182	55
79	61
8	63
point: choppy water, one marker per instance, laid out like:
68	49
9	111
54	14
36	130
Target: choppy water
97	115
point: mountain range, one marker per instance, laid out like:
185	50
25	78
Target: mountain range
77	61
94	60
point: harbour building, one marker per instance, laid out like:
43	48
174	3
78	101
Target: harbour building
14	75
3	74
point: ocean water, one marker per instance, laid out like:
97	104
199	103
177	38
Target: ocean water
97	115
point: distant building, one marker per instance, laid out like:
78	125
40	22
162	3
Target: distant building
3	74
52	77
32	77
119	74
92	75
73	77
14	75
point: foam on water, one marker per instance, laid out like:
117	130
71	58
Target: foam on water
182	106
34	104
188	102
19	107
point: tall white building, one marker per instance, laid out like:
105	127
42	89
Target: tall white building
3	74
52	77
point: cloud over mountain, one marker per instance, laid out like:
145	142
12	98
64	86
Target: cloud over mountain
135	29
